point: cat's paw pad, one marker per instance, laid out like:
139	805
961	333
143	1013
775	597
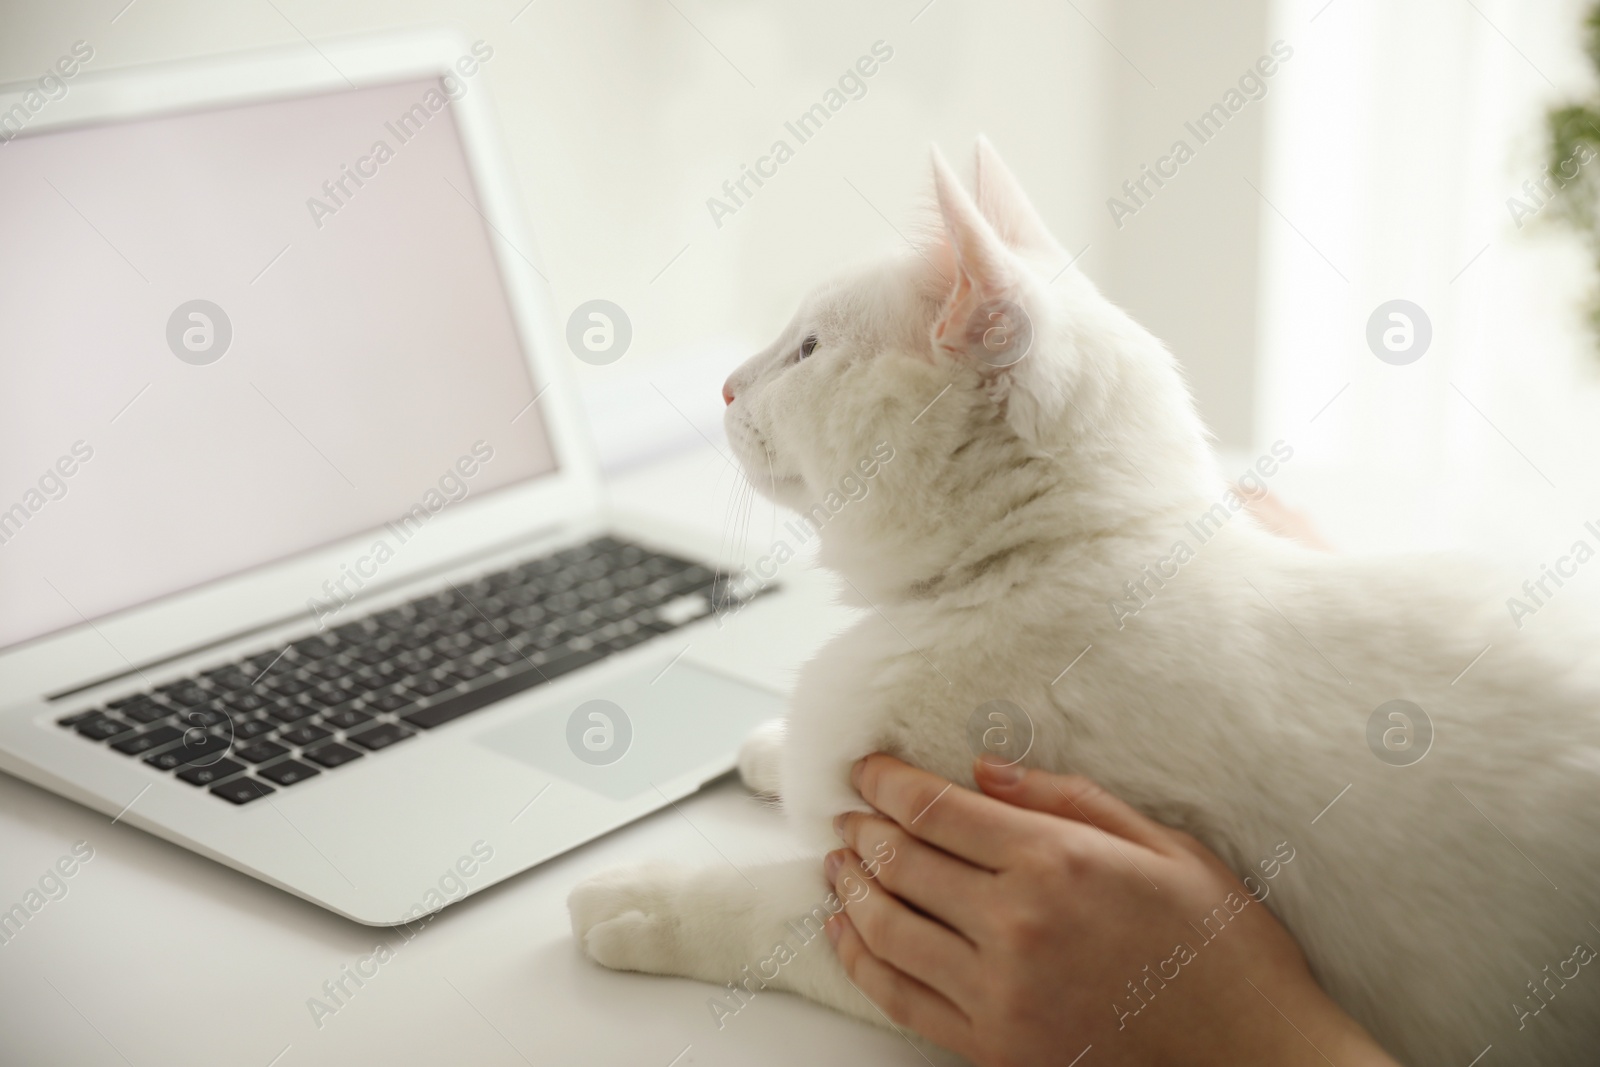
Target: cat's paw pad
621	917
759	757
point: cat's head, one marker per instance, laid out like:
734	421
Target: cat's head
950	403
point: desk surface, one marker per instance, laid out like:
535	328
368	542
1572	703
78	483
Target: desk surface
156	956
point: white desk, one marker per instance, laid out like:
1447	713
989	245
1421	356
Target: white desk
159	958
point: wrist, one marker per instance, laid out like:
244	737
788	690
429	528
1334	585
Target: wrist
1277	1024
1309	1029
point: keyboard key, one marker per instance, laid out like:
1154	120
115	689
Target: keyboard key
331	669
415	639
467	669
291	712
556	662
262	662
370	654
395	619
260	751
450	644
148	740
381	736
388	672
209	715
488	632
287	685
332	754
251	729
247	701
428	686
228	678
288	772
388	702
196	747
304	734
101	727
185	693
346	718
144	710
438	604
324	696
79	717
242	790
363	684
214	772
506	655
356	634
315	648
442	710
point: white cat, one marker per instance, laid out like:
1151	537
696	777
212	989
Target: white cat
1032	510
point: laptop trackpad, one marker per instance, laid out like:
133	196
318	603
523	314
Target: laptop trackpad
634	732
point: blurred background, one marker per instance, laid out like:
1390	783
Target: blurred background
1383	159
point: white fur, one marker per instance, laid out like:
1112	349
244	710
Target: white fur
1233	706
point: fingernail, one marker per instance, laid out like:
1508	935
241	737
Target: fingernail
1003	773
830	866
834	928
838	825
855	773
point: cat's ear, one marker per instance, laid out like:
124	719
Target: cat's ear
982	274
1006	207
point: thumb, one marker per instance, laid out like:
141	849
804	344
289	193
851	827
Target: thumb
1071	796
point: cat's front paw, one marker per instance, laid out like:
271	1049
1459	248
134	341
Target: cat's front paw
759	757
621	917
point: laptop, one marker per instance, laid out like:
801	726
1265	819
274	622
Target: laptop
304	562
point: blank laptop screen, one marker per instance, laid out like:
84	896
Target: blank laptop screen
233	335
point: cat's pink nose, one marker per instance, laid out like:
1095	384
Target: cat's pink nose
727	393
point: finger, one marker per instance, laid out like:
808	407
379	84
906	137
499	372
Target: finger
970	825
1074	797
950	889
910	942
901	999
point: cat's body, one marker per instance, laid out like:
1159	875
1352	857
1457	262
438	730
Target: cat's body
1229	695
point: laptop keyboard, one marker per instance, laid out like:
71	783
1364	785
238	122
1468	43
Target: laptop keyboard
273	719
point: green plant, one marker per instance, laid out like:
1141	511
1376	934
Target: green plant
1574	131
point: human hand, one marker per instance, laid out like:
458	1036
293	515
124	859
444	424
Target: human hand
1048	917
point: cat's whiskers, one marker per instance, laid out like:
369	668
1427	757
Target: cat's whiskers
772	481
744	528
734	542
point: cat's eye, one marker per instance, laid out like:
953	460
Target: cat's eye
808	346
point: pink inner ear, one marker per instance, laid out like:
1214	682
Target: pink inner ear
958	306
977	265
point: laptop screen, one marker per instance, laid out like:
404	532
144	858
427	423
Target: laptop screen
234	335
